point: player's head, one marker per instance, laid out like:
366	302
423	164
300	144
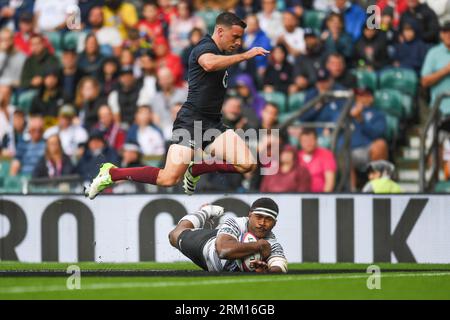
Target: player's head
229	30
262	217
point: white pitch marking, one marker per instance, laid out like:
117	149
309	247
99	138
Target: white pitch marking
133	285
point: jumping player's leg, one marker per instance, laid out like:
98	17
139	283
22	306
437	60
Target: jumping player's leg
178	159
234	154
230	148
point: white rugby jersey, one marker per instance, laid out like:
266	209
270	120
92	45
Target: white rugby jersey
235	227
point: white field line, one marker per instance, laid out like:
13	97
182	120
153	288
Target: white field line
165	284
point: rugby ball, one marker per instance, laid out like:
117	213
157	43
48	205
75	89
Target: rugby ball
246	263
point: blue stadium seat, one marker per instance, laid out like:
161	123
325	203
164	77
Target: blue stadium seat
12	184
296	101
209	17
55	39
25	99
392	124
279	98
390	101
71	39
443	186
314	19
366	79
402	79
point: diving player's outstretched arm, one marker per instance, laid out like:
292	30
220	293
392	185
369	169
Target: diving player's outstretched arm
213	62
229	248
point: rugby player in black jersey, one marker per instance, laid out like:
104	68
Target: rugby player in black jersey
207	81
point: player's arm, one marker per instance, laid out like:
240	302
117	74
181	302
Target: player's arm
229	248
277	264
213	62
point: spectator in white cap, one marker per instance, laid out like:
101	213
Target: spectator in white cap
145	134
72	135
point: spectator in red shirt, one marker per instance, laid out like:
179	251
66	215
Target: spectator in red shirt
165	58
112	133
292	176
399	7
319	161
151	25
167	10
23	35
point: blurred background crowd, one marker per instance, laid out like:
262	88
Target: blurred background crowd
106	88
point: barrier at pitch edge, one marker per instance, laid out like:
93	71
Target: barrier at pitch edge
311	228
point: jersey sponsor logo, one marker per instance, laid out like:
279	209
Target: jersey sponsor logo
225	80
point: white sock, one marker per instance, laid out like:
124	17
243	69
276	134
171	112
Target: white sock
198	219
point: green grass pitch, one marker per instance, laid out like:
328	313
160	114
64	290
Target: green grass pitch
398	281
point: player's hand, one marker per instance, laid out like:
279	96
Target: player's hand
256	51
260	266
264	248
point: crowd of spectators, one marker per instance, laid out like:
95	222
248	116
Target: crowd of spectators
108	88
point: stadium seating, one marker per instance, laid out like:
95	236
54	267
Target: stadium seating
55	39
443	186
314	19
296	101
279	98
392	124
209	16
71	39
284	116
5	165
25	99
12	184
404	80
408	103
390	101
366	79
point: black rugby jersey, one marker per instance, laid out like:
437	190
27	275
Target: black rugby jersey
206	91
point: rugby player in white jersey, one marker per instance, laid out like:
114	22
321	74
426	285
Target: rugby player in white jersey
220	249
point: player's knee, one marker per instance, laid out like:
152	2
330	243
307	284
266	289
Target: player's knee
168	180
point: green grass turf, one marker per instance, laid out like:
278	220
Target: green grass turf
424	284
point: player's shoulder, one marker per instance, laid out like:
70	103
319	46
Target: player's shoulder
206	44
239	223
237	220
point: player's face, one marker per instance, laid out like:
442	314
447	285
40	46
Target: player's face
231	38
260	225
